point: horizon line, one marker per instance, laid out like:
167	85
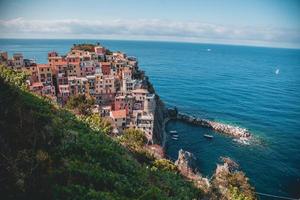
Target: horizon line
163	41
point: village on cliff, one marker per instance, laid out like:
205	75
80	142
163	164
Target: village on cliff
121	91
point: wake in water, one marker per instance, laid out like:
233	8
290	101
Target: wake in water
244	141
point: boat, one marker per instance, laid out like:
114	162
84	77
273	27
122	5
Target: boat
208	136
174	138
175	135
173	131
277	71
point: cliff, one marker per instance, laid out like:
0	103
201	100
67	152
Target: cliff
230	183
226	183
159	117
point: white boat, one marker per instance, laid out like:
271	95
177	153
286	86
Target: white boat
175	135
174	138
208	136
277	71
174	131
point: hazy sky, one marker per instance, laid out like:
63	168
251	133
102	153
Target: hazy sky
248	22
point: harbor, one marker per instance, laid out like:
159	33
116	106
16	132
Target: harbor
234	131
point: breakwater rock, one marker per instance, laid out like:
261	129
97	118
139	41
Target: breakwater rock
217	126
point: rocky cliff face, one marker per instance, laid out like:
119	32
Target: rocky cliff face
230	183
159	116
186	161
186	164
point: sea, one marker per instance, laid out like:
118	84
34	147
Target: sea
257	88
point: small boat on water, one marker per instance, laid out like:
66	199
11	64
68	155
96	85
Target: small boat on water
208	136
175	135
174	138
174	131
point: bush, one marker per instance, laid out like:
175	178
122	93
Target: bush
133	139
164	164
97	123
80	104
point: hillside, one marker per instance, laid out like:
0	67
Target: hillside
49	153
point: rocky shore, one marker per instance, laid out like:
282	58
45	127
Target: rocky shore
228	182
234	131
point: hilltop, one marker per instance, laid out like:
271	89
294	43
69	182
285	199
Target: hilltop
47	152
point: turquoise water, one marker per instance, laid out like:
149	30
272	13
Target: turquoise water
232	84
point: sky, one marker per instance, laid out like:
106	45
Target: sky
274	23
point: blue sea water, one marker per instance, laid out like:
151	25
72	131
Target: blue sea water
232	84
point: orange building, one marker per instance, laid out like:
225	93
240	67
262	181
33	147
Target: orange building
44	73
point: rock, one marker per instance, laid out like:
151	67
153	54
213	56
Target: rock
220	127
186	161
231	164
187	166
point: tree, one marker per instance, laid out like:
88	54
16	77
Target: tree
98	124
80	104
133	139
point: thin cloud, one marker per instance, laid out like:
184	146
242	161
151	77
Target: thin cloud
149	29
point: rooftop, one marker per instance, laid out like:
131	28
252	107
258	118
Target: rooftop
43	65
118	114
144	91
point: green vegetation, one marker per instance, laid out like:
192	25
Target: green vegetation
239	188
231	184
84	47
97	123
80	104
134	139
49	153
164	164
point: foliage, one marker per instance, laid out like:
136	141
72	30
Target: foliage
13	77
150	87
236	194
80	104
138	74
239	185
84	47
165	164
133	138
229	185
97	123
49	153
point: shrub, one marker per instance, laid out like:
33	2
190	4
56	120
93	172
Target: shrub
133	138
164	164
80	104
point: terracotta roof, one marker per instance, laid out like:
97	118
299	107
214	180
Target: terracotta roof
42	65
37	84
118	114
